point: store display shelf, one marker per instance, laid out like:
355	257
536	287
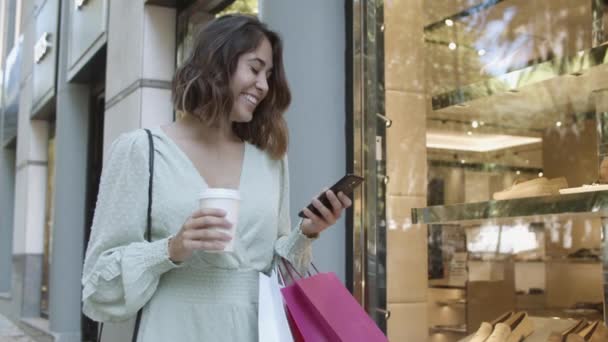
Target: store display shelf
588	202
460	329
561	260
576	64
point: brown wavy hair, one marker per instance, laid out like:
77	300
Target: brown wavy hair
201	86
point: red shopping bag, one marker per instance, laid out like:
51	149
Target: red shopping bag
322	309
302	317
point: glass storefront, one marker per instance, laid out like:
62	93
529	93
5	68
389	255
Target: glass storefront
488	119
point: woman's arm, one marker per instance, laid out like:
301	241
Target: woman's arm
121	269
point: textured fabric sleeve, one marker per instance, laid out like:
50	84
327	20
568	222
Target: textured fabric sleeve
122	269
291	244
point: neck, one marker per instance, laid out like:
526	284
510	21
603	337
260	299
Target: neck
217	132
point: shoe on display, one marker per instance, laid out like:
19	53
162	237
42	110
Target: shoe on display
584	253
521	326
500	333
516	328
574	329
485	329
585	334
540	186
600	334
584	188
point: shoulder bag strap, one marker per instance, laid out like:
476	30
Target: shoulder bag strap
149	221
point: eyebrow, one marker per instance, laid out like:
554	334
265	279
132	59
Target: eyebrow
259	60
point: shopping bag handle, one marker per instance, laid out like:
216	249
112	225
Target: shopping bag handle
289	267
277	269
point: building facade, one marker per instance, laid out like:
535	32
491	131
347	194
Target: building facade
79	74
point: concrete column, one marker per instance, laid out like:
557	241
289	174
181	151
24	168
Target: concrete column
7	196
72	133
30	205
141	63
314	42
407	169
30	185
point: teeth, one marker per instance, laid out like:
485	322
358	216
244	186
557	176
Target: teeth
252	99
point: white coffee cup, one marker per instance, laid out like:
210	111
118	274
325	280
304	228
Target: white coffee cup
227	200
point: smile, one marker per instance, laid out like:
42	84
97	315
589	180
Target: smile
251	99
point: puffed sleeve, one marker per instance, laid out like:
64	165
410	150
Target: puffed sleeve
292	244
121	269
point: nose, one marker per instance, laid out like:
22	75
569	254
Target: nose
262	83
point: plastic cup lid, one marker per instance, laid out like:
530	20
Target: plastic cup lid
220	193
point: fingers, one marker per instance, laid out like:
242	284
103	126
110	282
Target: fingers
206	235
318	221
336	205
204	245
346	201
208	212
203	222
326	214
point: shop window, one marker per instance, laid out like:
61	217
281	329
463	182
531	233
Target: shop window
492	117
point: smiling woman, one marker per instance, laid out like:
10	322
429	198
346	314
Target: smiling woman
196	278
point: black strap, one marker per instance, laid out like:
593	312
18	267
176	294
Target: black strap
148	230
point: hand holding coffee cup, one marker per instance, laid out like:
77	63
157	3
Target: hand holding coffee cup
210	228
200	232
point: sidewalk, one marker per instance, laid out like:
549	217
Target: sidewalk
11	333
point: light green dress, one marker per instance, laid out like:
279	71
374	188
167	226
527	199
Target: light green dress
212	296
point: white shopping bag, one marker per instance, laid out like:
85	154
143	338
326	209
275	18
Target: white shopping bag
272	319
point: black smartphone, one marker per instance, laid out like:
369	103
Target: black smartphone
345	185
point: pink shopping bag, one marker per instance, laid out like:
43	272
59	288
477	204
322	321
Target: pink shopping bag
323	310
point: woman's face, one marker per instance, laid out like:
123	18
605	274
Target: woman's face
249	82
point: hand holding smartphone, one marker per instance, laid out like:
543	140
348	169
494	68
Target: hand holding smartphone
346	185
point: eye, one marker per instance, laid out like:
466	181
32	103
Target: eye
254	70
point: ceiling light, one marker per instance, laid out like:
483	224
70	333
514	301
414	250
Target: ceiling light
449	22
474	124
558	124
481	52
518	172
540	174
469	133
462	161
481	123
452	46
478	142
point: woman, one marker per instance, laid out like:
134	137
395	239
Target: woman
233	92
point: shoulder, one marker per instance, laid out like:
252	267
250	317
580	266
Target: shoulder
130	146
